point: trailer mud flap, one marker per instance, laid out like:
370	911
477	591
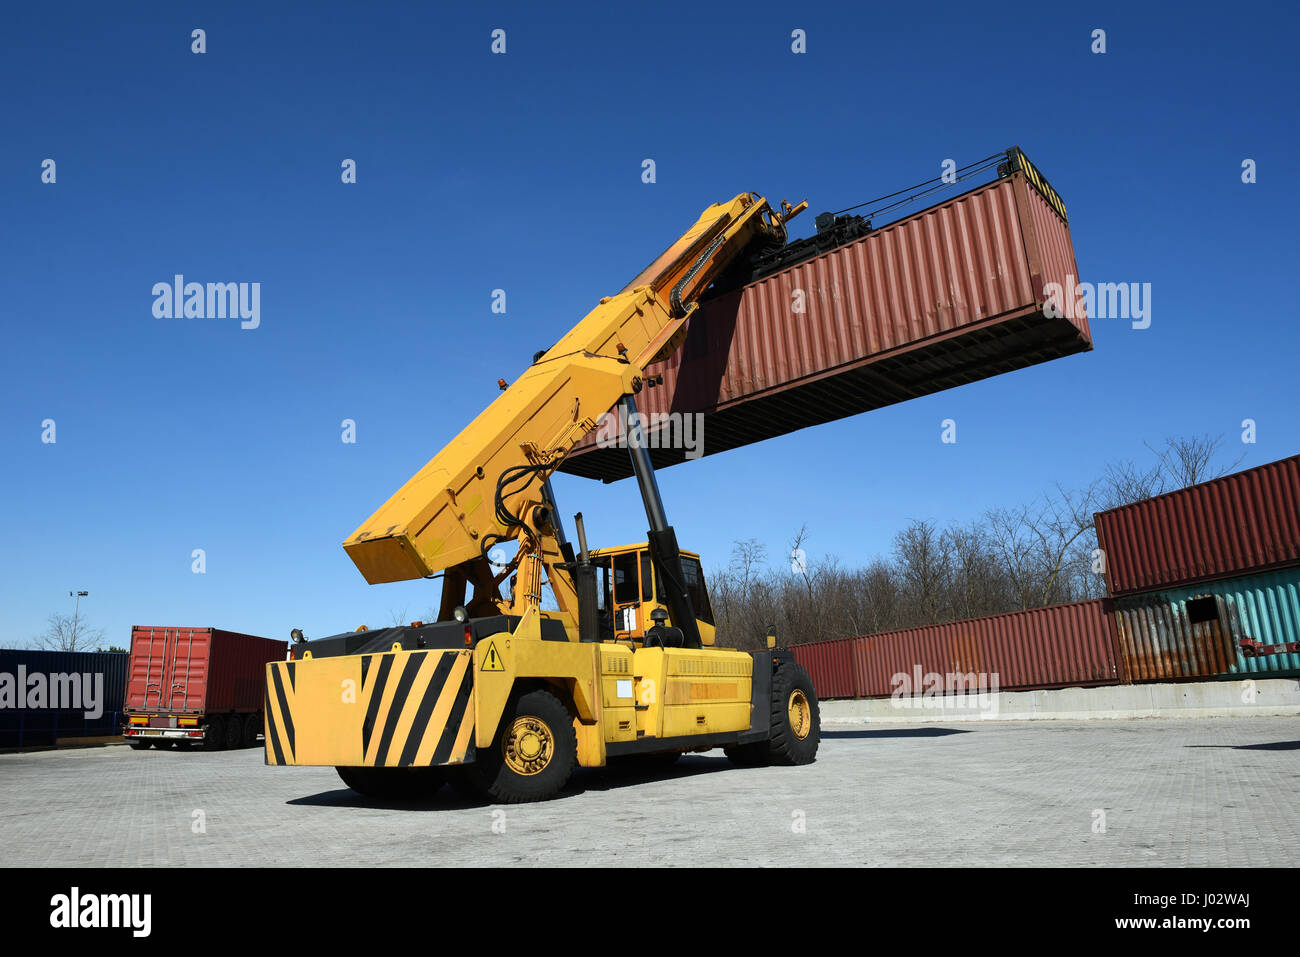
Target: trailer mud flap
395	709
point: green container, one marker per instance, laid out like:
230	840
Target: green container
1196	631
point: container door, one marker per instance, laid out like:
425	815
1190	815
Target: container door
187	669
148	666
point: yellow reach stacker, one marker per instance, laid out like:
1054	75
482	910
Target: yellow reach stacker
500	697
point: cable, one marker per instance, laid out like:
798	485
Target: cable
962	173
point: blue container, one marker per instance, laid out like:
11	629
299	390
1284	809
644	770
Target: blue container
22	726
1196	631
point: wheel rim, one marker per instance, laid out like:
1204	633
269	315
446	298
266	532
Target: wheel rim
800	714
528	746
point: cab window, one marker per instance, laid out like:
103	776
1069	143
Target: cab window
627	586
647	579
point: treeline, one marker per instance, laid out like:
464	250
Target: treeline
1041	553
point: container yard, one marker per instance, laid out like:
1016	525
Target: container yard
1189	604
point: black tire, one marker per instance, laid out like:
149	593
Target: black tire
252	728
530	718
139	745
396	784
234	732
790	743
162	744
787	745
215	738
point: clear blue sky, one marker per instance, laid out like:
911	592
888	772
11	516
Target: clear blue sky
522	172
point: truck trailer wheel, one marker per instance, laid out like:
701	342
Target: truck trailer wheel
533	755
234	732
138	744
215	739
252	728
399	784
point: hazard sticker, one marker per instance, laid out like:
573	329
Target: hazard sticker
492	660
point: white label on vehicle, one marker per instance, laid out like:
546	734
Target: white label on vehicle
624	688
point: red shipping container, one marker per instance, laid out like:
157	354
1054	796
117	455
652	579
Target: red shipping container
950	295
198	671
1058	646
1235	525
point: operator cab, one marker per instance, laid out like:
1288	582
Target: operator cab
629	590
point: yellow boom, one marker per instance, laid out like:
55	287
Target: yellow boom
443	515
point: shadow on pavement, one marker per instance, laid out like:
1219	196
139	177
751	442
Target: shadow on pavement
1270	746
621	774
895	733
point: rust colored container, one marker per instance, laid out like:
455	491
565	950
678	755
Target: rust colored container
949	295
197	671
1058	646
1245	522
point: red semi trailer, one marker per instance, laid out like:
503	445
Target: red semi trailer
196	686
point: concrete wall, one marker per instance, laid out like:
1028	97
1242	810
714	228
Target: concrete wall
1207	699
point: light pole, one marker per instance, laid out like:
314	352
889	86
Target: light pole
76	611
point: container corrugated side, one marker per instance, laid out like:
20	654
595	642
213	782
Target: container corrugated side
1053	647
948	296
1244	522
1195	631
24	727
237	681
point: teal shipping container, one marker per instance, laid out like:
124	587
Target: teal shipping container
1197	631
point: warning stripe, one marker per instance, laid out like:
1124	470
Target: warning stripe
444	715
451	731
279	719
433	694
390	715
376	696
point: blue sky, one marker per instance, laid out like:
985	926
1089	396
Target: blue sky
522	172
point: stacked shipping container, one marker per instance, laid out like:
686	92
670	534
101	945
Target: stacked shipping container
1197	572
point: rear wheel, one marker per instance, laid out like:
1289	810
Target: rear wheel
139	745
234	732
401	784
533	754
252	728
215	739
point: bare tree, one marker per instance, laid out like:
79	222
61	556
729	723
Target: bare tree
68	633
924	562
1189	460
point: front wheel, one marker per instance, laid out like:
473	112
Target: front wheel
795	723
796	716
533	755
